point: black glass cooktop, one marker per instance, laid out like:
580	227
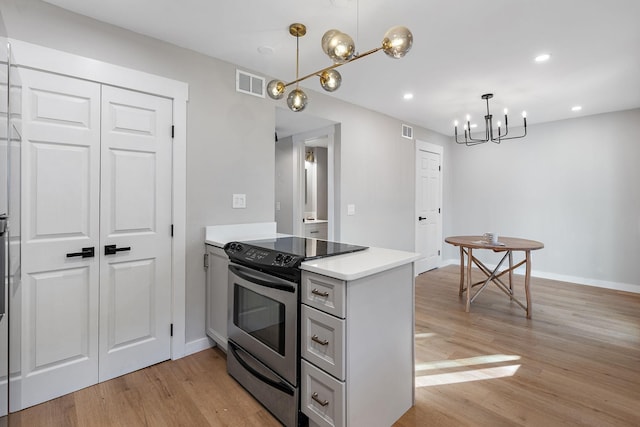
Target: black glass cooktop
282	256
305	248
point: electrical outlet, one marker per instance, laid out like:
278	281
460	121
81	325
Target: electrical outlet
351	209
239	201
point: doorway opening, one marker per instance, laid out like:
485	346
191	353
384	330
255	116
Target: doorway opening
305	177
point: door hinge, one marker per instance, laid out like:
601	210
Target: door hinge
206	260
171	329
171	230
438	252
439	168
173	130
438	212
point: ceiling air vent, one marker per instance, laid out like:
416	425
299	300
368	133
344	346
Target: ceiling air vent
249	83
407	132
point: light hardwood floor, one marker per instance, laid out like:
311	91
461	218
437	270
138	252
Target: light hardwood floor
576	362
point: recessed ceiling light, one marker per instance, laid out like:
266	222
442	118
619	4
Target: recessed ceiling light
576	108
543	58
266	50
408	96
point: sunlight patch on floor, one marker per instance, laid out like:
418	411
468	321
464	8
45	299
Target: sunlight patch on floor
466	376
470	361
425	335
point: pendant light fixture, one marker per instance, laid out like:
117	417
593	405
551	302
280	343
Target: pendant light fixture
489	135
341	49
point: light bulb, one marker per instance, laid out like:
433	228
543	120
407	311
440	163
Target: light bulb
455	123
330	80
468	117
524	114
397	41
275	89
297	100
505	111
339	46
326	40
499	123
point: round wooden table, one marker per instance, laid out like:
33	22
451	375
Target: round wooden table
505	244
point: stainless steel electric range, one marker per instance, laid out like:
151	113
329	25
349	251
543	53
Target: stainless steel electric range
264	318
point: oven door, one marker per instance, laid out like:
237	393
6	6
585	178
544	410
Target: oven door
263	318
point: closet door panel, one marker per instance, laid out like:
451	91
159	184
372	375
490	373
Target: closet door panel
60	227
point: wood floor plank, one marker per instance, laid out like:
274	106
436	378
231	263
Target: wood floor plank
575	362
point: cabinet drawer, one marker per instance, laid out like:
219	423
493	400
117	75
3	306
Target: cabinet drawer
322	341
322	397
324	293
317	230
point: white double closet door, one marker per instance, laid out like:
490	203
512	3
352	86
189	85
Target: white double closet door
96	176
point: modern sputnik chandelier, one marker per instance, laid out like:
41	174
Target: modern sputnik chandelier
489	135
341	49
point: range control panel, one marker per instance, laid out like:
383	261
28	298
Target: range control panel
261	256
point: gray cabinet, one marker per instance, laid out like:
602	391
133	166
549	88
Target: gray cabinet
357	348
216	294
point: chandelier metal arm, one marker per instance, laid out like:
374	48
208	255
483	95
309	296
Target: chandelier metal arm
478	140
514	137
331	67
466	141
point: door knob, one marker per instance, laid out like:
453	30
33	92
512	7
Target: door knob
86	253
421	218
111	249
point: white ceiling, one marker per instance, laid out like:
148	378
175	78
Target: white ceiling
462	49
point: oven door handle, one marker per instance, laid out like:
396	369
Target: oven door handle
275	384
273	282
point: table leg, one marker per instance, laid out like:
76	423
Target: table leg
461	270
527	278
469	262
511	274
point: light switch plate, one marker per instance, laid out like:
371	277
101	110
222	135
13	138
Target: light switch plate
351	209
239	201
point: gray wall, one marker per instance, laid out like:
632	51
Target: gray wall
572	184
284	185
321	187
376	173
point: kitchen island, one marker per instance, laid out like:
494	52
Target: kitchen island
357	338
356	331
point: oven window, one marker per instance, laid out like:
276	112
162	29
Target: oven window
259	316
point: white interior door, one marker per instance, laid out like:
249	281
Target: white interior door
60	217
135	288
428	206
96	172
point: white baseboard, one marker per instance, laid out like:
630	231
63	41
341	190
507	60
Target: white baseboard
198	345
618	286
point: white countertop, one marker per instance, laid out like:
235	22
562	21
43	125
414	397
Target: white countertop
316	221
359	264
343	267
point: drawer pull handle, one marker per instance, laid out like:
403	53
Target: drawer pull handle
319	293
319	341
314	396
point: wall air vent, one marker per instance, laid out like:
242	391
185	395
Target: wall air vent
407	132
249	83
